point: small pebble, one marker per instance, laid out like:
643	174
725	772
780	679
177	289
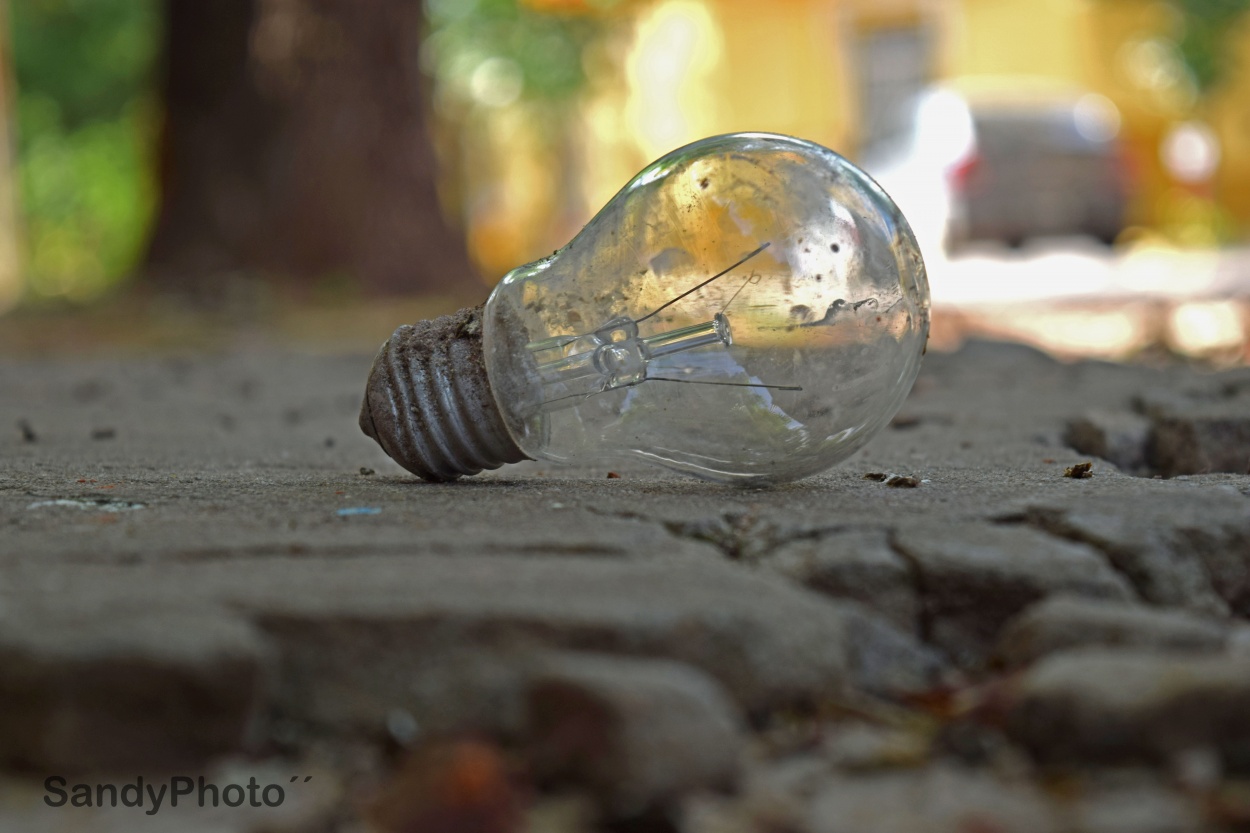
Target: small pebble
899	481
365	471
1080	471
896	481
613	476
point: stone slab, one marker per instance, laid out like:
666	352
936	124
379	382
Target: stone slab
1063	623
1187	545
973	577
1107	706
114	686
639	733
856	564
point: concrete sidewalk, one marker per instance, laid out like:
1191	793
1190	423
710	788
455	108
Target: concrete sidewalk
208	569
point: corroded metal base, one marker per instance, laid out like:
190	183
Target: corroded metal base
429	404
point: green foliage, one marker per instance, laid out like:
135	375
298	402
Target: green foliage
544	50
1204	44
85	113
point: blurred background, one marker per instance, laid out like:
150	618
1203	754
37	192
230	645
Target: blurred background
1078	171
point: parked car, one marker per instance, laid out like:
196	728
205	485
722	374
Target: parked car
1010	162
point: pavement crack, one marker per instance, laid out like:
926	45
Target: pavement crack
924	613
745	536
350	552
1051	522
741	536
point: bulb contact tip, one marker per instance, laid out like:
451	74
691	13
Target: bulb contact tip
428	402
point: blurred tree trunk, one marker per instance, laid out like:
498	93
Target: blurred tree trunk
295	146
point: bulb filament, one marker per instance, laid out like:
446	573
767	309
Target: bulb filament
697	287
615	355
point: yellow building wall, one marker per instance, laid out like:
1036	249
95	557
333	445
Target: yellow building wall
1125	34
783	69
1230	116
680	70
1020	37
695	68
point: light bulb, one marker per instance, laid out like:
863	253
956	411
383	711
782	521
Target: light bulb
750	308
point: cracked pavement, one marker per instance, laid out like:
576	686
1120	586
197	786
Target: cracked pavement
273	589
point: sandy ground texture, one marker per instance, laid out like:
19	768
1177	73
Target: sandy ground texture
211	580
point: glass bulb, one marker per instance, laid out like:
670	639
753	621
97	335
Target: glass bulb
749	308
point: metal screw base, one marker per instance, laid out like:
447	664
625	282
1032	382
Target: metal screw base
428	401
